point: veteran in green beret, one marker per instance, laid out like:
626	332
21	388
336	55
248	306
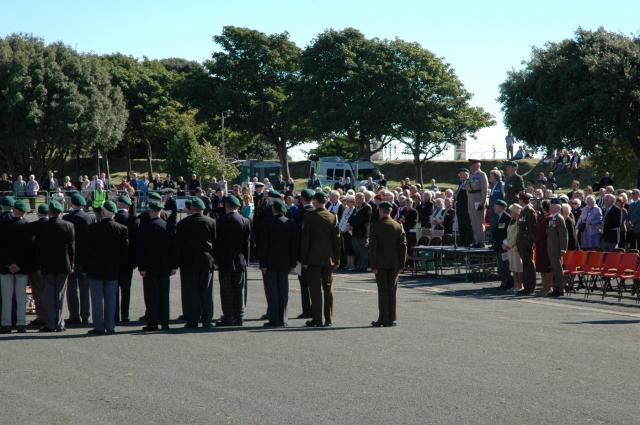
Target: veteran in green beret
122	216
387	257
320	255
35	278
514	183
305	200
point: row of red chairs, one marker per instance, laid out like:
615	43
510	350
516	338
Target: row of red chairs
593	268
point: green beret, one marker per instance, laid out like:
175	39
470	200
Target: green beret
155	205
110	206
187	203
501	203
275	194
279	206
197	203
307	194
320	196
78	200
8	201
43	209
22	205
556	201
124	199
55	206
155	196
511	164
386	205
463	170
232	200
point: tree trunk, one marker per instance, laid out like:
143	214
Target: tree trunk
284	161
149	159
127	151
107	169
77	162
418	165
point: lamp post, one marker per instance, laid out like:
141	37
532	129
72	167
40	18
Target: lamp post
223	115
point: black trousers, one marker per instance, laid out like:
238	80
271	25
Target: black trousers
305	296
232	295
197	296
156	290
320	281
277	296
465	232
123	298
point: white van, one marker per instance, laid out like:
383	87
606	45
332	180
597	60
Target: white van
329	169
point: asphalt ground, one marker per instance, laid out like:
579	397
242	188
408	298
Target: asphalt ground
462	353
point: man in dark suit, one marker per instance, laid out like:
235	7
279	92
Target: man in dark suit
360	222
611	219
462	211
50	183
104	261
54	259
305	297
499	234
280	185
156	263
194	251
278	256
387	256
16	255
514	183
79	307
232	253
35	278
123	217
320	255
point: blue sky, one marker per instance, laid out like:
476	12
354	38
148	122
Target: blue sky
482	40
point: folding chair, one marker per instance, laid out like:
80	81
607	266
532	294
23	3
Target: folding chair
577	269
626	270
591	270
435	241
567	265
609	270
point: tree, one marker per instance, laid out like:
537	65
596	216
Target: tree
435	105
338	146
349	89
579	93
254	76
53	103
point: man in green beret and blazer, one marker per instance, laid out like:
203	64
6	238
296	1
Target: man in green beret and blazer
123	300
305	200
387	256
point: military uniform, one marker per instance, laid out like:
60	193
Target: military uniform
305	297
557	241
524	242
477	196
124	281
513	186
387	255
320	253
462	215
35	278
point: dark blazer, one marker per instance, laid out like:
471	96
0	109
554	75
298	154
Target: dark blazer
17	247
195	241
360	220
571	232
500	232
131	223
107	250
280	185
320	239
611	224
81	222
55	247
279	244
154	245
387	245
232	242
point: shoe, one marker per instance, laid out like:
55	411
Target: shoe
237	322
477	245
21	329
165	327
72	321
45	329
84	322
223	323
283	325
191	325
391	324
110	332
555	294
95	332
144	318
328	324
60	329
376	324
181	317
126	320
269	325
5	330
149	328
206	325
522	292
264	317
312	324
36	322
304	316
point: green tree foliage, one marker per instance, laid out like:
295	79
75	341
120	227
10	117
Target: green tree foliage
254	75
54	103
338	146
435	105
579	93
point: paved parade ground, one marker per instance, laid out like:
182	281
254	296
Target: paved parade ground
462	354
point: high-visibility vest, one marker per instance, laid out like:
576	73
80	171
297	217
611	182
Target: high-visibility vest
99	198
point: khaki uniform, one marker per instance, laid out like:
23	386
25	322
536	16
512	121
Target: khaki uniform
557	241
477	194
320	252
513	186
524	242
387	255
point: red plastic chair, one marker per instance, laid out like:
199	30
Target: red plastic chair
626	270
580	259
609	270
591	270
571	261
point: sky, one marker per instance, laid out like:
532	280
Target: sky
482	40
